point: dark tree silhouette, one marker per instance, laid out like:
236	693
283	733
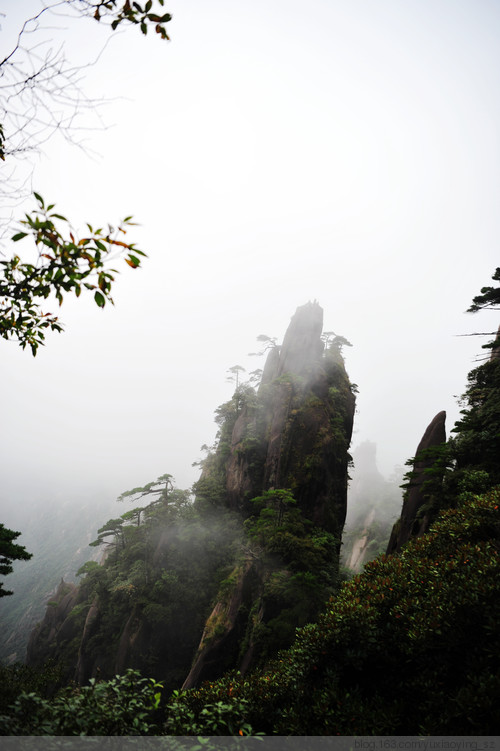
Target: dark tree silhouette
9	552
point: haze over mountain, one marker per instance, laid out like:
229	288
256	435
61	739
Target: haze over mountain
272	154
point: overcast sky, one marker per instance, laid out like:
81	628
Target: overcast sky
274	152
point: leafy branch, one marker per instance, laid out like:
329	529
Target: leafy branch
489	297
133	13
161	488
65	264
268	342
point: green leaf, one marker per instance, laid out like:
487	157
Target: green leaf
100	299
19	236
59	216
39	199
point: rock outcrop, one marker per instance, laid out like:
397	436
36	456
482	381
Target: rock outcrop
414	523
296	433
56	626
293	435
220	645
360	547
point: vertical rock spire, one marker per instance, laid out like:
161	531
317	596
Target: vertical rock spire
410	525
297	433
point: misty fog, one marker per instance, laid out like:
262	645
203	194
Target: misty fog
272	153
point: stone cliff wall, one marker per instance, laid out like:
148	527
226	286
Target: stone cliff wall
294	435
414	523
297	433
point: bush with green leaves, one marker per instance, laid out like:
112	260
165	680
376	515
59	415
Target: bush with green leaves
477	441
215	718
18	678
409	646
280	528
301	571
125	705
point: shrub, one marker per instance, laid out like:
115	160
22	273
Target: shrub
125	705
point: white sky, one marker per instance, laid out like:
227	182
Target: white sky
274	152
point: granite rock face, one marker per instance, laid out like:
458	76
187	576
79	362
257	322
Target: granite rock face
57	625
412	523
297	432
294	434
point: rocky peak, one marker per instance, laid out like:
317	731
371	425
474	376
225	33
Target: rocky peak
293	436
297	432
302	346
412	523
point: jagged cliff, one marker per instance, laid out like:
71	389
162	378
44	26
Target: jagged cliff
414	520
293	435
297	431
227	579
444	472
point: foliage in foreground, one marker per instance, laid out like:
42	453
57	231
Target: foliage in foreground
411	645
125	705
64	264
18	678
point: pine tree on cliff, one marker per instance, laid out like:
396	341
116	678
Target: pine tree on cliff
469	462
476	447
9	552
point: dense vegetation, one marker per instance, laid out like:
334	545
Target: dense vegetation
434	610
163	566
410	645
